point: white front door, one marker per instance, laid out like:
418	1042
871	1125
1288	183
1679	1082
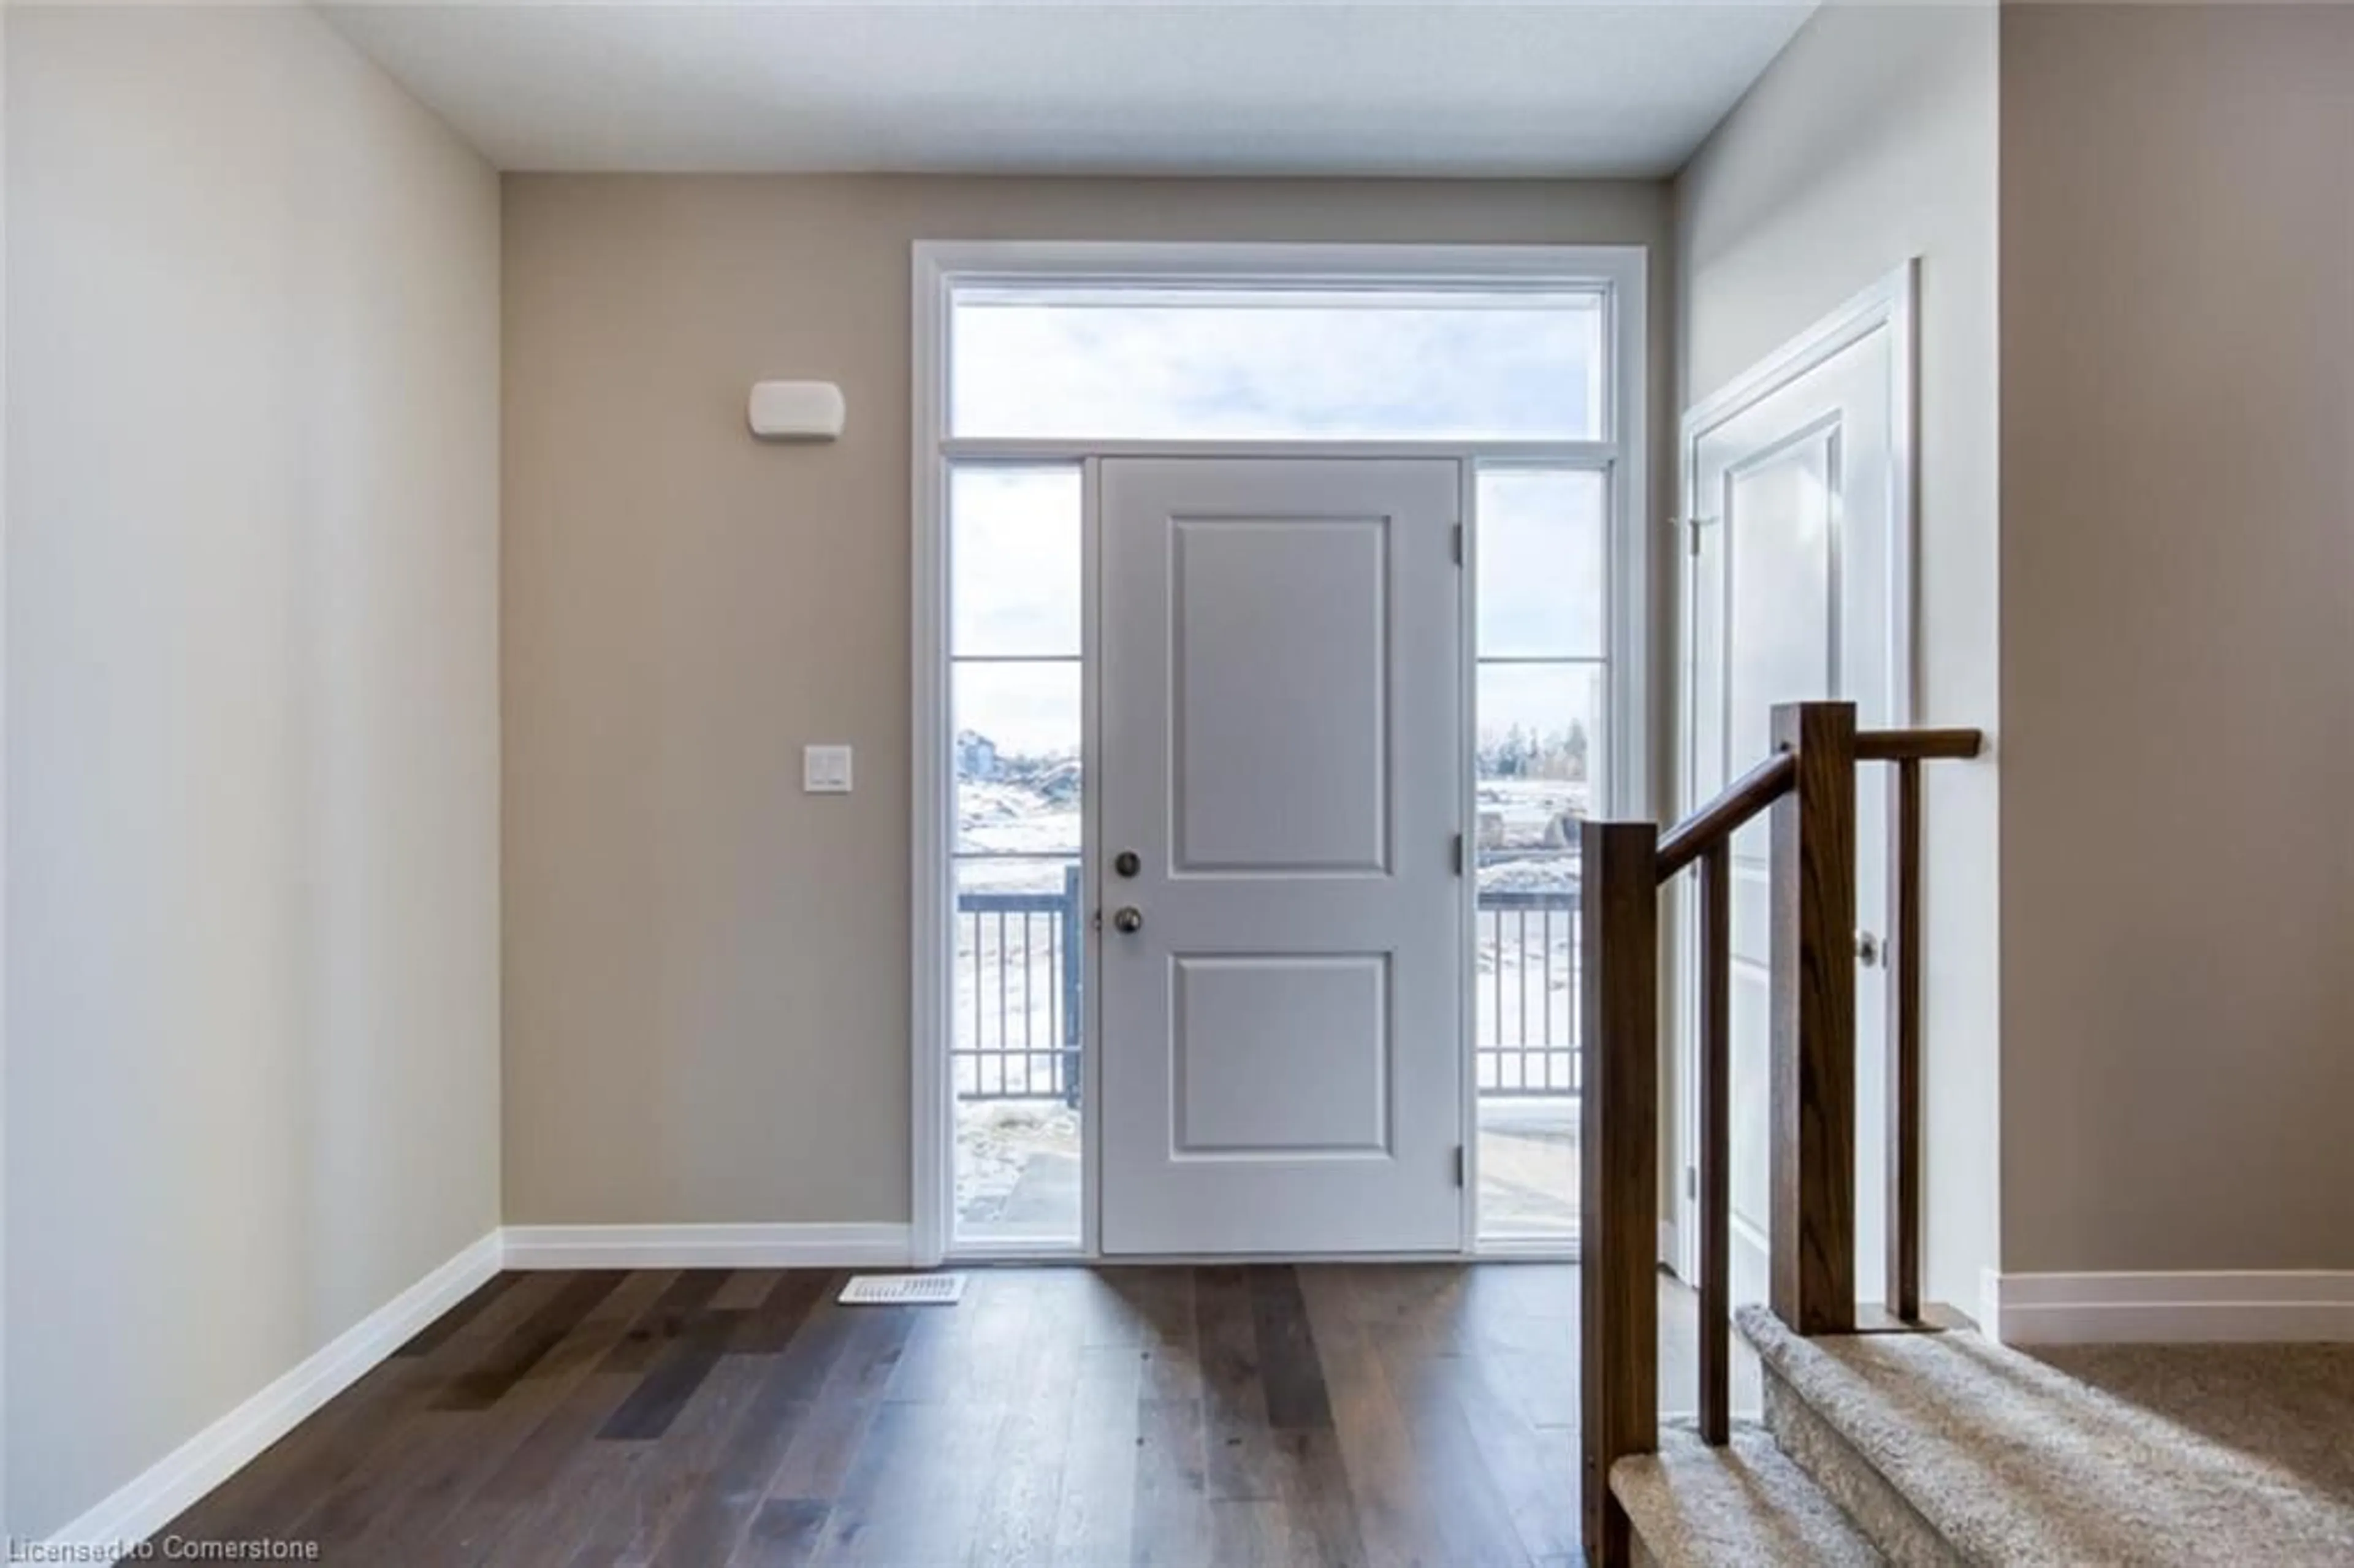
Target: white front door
1282	756
1797	487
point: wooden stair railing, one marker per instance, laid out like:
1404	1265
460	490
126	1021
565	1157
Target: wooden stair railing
1809	786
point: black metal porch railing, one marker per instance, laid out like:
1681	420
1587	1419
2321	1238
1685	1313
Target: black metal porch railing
1020	956
1524	1041
1018	1033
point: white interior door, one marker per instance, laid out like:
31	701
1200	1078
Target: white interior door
1799	491
1281	745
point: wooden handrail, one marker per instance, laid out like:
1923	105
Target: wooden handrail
1721	817
1809	786
1918	745
1763	785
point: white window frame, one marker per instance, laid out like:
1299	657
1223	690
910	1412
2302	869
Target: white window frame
1617	271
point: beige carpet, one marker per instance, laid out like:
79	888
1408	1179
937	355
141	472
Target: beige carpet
2288	1407
1747	1505
2155	1458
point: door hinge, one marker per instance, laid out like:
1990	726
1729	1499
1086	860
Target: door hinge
1692	1183
1458	854
1460	1164
1692	528
1458	543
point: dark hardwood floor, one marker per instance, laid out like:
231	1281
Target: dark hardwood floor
1098	1417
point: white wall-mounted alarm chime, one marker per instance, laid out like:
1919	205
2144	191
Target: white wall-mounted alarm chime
796	410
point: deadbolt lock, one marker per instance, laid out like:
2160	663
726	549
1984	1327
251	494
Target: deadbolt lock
1127	863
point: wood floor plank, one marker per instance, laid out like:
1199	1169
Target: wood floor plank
784	1534
519	1350
674	1378
1320	1500
730	1478
1154	1311
732	1482
1171	1523
915	1488
680	1305
432	1337
810	1354
546	1417
1232	1415
1475	1525
870	1354
1093	1516
1396	1522
373	1471
590	1475
747	1289
773	1320
709	1464
286	1479
663	1480
460	1446
1242	1465
1290	1375
1249	1532
827	1436
1021	1498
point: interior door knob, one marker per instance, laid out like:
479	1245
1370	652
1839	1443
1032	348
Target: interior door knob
1129	920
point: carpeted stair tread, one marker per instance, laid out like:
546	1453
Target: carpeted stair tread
1744	1504
2012	1462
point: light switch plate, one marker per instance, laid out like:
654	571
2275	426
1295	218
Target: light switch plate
825	770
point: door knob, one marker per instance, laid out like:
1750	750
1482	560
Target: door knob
1127	921
1867	949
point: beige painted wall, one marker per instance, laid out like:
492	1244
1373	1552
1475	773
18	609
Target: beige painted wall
252	900
1870	139
706	971
2178	627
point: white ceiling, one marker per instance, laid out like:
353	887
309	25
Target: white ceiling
1275	87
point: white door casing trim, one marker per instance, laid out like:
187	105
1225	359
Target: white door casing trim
1621	270
1890	304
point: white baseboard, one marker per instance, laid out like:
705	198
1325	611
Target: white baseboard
173	1485
707	1246
2169	1308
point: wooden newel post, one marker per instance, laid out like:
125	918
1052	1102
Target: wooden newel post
1812	1069
1618	1042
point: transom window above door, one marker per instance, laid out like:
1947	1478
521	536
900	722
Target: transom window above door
1303	361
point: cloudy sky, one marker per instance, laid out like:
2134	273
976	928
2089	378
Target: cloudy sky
1272	368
